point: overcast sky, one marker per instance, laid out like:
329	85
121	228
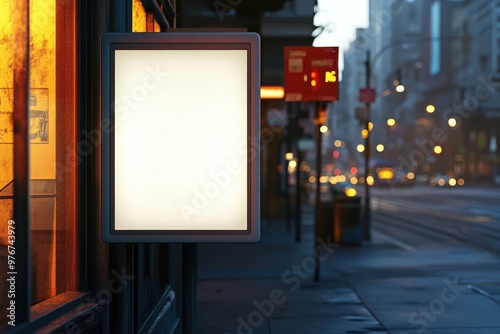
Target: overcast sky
342	17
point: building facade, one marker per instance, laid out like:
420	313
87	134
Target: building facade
445	55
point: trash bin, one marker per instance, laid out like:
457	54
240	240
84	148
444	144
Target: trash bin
347	220
326	221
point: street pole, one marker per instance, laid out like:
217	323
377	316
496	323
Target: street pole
298	203
287	185
366	215
317	226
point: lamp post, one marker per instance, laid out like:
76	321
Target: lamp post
366	211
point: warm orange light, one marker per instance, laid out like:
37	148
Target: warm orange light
364	133
313	83
272	92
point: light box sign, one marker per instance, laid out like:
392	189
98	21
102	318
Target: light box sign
180	113
311	73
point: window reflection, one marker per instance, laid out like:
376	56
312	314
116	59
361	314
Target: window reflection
52	133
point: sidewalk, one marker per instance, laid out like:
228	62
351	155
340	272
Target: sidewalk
379	287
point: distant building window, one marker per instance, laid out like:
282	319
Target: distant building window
435	63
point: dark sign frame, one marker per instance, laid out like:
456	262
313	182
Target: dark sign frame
180	41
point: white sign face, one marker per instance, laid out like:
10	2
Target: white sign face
183	114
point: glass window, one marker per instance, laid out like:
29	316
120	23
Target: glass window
52	144
143	20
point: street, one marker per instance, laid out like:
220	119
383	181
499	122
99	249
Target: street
431	266
422	216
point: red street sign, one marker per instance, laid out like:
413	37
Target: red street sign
311	73
367	95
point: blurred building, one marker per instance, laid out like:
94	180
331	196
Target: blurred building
445	53
347	127
477	82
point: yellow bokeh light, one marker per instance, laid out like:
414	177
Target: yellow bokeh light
337	143
350	192
400	88
341	178
360	148
333	180
410	175
292	164
370	126
313	83
438	149
452	182
324	179
452	122
364	133
369	180
354	180
391	122
323	129
430	109
312	179
289	156
380	148
385	173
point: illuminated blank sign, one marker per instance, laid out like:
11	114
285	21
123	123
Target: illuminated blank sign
180	115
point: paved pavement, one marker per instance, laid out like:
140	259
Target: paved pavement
381	286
